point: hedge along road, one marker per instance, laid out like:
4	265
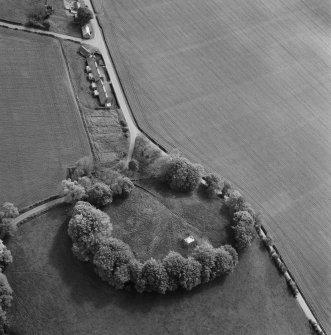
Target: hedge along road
38	210
99	43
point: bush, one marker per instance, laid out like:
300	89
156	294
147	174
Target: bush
213	184
267	241
293	287
87	227
7	213
181	175
84	16
136	275
72	191
244	235
133	165
112	262
155	276
37	17
206	256
5	256
119	184
6	297
244	230
100	194
86	182
226	188
145	151
83	167
38	13
243	217
174	264
191	274
46	24
234	202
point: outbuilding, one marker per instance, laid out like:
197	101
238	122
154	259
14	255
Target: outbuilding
86	31
85	51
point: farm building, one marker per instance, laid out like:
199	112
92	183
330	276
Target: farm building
91	62
85	51
104	98
86	31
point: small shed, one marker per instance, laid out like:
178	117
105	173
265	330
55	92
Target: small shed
95	93
84	51
86	31
189	241
93	86
88	69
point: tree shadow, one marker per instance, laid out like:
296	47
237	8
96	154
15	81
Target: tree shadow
86	286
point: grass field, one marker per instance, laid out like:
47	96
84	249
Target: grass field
54	293
154	221
107	138
244	88
41	131
18	10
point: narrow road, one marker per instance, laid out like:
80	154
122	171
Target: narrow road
37	210
39	31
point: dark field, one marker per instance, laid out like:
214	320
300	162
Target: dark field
244	88
41	131
18	10
56	294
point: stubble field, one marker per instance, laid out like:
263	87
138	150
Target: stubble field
41	131
244	88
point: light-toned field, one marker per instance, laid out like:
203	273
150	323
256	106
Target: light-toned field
54	293
243	87
41	131
18	10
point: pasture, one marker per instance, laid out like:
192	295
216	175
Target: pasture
70	299
17	11
41	131
244	88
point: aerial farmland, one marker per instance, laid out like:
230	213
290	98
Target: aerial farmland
242	87
165	167
41	129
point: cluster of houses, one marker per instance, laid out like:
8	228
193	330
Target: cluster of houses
96	76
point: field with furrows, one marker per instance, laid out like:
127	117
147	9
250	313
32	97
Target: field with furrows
244	88
41	131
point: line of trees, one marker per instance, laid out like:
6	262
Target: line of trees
90	230
8	212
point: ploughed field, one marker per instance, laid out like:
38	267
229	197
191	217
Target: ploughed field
54	293
41	131
243	87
